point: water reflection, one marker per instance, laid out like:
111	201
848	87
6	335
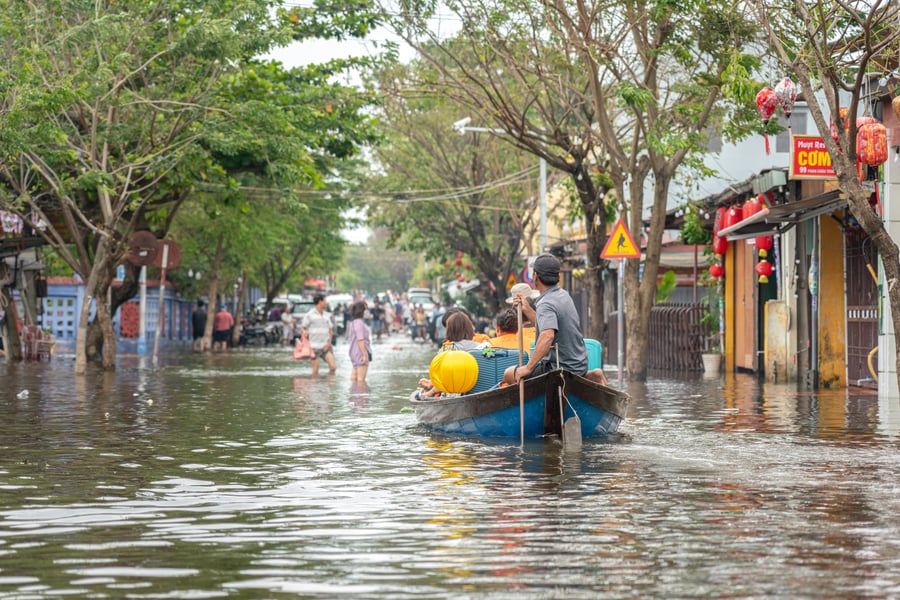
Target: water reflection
242	475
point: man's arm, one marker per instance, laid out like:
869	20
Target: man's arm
541	349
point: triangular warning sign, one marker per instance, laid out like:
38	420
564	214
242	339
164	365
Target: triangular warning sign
620	243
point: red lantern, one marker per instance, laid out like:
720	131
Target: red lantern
764	244
716	270
766	103
720	216
732	217
871	144
751	207
786	92
833	127
719	245
763	269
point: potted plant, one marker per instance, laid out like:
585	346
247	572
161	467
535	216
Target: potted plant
709	324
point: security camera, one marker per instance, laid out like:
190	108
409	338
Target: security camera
461	124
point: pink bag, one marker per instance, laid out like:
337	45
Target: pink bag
303	349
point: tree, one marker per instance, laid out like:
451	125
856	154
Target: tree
509	71
834	49
610	92
658	73
477	198
112	112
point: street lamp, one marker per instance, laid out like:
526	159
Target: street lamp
462	126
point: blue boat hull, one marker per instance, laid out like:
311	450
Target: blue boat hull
496	413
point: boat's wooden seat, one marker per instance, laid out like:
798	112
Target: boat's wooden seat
491	367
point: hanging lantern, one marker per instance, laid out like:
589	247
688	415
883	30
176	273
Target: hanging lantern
751	207
716	270
834	131
763	245
766	103
786	92
763	269
720	216
732	217
871	144
719	245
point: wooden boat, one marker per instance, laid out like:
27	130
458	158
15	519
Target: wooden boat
495	412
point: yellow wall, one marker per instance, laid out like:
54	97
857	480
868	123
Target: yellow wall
832	309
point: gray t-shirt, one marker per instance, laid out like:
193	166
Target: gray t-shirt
318	327
556	310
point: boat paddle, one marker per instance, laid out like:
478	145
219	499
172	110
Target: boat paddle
571	431
521	381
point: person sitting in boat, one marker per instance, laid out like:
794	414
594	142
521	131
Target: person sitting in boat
461	334
507	324
556	324
477	337
459	337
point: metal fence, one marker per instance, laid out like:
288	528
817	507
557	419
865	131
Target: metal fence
677	337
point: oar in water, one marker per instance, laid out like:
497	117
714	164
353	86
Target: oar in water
521	381
571	429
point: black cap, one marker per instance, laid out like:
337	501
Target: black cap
547	265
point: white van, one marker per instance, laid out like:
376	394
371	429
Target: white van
420	296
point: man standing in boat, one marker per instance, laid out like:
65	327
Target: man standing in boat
556	324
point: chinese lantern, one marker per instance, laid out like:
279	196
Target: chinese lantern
720	216
751	207
763	269
766	103
763	245
833	126
716	270
786	92
719	245
732	217
871	144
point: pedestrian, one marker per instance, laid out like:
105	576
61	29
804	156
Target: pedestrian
556	324
319	328
377	319
198	324
360	342
287	327
222	324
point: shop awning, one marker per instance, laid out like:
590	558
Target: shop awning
778	219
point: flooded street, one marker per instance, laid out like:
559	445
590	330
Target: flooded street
239	476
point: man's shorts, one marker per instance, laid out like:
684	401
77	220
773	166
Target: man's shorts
320	353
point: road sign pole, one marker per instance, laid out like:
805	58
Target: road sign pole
620	245
161	317
620	341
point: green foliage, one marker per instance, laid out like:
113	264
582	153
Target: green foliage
693	231
666	287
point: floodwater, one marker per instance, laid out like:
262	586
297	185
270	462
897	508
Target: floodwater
239	476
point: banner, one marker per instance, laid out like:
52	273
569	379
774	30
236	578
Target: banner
809	158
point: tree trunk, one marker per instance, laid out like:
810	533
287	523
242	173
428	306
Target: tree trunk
213	291
239	310
90	292
12	343
591	199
